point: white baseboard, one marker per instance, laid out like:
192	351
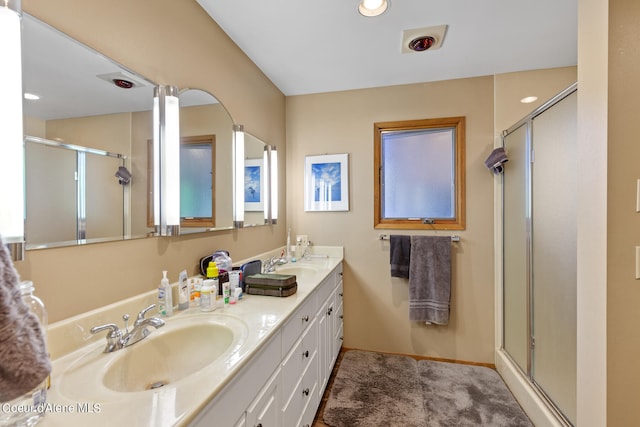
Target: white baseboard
534	406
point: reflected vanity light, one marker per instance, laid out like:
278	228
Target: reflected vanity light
238	176
273	180
166	161
11	132
265	167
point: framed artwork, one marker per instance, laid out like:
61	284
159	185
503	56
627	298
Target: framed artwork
326	182
253	185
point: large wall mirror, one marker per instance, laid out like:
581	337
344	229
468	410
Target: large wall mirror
92	119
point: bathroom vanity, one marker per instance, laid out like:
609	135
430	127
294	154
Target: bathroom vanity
262	361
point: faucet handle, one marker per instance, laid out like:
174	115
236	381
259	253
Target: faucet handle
114	331
143	312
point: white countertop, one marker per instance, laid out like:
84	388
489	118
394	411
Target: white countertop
73	348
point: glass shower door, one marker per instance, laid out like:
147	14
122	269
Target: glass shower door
516	220
554	182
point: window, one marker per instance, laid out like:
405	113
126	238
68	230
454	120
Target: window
419	174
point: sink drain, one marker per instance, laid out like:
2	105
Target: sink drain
156	385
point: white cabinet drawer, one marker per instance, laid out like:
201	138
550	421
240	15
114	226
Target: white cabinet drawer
305	394
298	323
298	358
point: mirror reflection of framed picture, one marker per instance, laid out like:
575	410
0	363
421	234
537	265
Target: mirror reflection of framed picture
253	185
326	182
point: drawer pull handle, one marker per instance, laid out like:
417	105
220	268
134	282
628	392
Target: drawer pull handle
342	316
341	338
340	273
305	353
305	318
340	294
259	425
305	391
330	311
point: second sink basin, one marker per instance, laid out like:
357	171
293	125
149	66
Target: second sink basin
300	271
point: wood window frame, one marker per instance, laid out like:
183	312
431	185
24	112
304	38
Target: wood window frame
456	223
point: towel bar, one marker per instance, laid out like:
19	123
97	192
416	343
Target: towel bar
454	238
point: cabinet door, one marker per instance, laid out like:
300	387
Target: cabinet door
265	409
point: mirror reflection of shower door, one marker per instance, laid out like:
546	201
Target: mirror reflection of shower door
516	214
72	194
50	194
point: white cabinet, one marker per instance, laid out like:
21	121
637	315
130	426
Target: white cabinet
264	411
283	384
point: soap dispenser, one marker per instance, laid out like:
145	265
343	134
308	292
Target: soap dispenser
165	300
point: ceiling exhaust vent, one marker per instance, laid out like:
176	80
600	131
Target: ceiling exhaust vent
421	39
123	80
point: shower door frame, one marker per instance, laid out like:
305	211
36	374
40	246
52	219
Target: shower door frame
527	122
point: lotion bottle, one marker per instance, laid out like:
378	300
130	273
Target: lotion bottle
165	300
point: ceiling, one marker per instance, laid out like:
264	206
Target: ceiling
328	46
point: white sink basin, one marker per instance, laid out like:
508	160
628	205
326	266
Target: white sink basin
301	272
170	355
166	358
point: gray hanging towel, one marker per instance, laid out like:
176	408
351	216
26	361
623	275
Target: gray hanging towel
24	362
496	160
400	255
430	279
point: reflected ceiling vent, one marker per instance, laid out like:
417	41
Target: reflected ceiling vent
421	39
123	80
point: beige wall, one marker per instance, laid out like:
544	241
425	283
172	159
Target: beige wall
173	43
623	291
376	306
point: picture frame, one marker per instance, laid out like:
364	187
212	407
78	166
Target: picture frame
326	183
254	185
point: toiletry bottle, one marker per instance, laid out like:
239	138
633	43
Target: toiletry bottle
31	403
183	291
208	296
226	294
165	300
195	292
212	274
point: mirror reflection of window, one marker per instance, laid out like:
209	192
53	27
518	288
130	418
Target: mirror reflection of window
197	181
419	172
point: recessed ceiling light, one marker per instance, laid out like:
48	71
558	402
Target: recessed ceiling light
31	96
529	99
373	7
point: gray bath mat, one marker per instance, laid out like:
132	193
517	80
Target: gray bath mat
373	389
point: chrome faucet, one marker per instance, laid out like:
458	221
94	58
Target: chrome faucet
117	340
269	265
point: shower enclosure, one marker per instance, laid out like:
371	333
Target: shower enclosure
539	251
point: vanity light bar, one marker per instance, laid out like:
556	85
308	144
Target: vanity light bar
166	161
238	176
273	181
11	132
